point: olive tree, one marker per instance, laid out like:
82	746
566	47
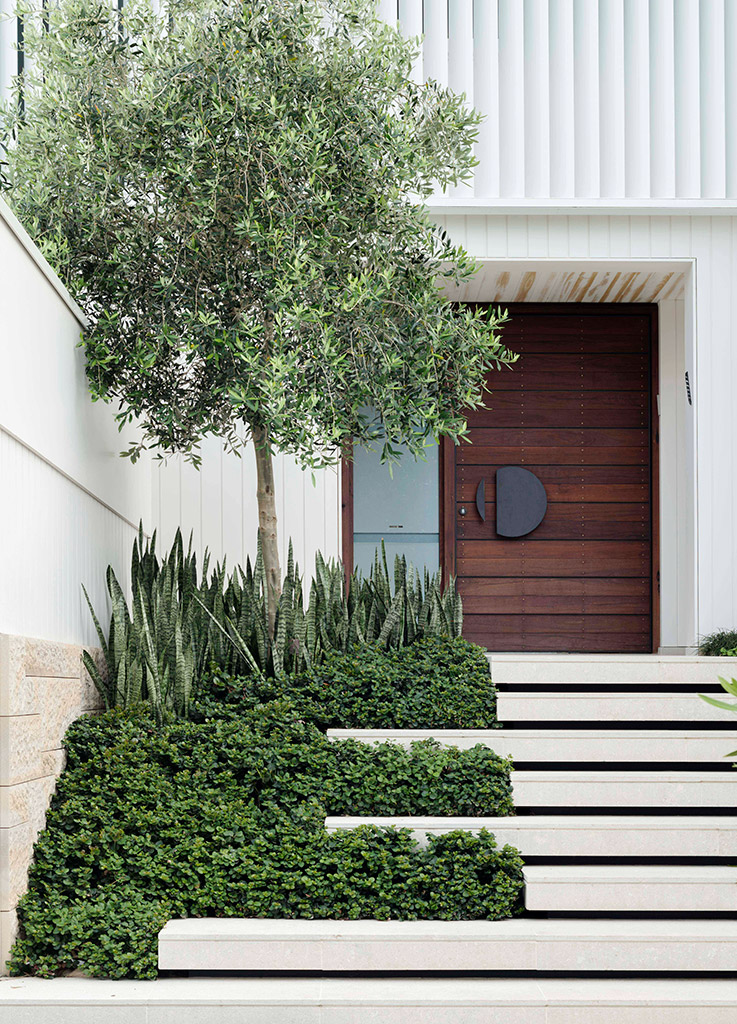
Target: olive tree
233	194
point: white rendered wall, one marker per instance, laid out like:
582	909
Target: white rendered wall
68	502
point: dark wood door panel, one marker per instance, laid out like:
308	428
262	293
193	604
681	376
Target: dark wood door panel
563	625
567	558
583	643
521	377
544	595
567	520
565	455
627	409
522	437
576	411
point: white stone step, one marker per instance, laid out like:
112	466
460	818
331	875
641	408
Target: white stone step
570	745
608	707
640	888
569	835
608	668
518	944
624	788
369	1001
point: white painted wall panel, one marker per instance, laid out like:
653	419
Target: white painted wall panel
44	399
69	503
54	537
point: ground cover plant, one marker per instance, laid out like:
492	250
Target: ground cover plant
181	622
224	817
437	682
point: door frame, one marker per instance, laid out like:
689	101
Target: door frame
447	459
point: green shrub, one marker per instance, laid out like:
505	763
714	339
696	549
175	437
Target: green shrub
434	683
721	643
225	817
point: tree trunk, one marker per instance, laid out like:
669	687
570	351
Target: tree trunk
267	523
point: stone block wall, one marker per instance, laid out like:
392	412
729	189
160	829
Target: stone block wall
43	688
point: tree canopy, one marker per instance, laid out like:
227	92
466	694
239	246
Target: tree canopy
233	194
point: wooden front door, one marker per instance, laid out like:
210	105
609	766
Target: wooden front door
576	411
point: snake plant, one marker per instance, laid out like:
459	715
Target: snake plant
182	620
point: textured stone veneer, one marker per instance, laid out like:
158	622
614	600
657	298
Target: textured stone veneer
43	688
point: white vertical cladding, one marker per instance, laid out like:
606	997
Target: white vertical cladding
388	10
713	123
637	98
435	42
8	55
485	56
611	98
460	47
730	89
687	117
662	125
411	20
460	68
562	102
586	96
537	98
511	99
591	99
217	506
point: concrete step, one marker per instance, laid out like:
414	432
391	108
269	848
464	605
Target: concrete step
369	1000
608	707
519	944
608	668
570	835
637	888
615	746
624	789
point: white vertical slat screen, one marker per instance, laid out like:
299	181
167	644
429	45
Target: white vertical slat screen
562	99
662	128
582	98
537	112
611	98
636	86
591	99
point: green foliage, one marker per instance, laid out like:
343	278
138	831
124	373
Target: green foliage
230	193
731	689
719	644
224	817
437	682
182	623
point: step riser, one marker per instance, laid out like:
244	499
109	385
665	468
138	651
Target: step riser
615	789
567	707
572	746
572	669
641	897
519	944
440	955
362	1001
569	837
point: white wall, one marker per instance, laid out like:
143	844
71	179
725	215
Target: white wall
68	503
